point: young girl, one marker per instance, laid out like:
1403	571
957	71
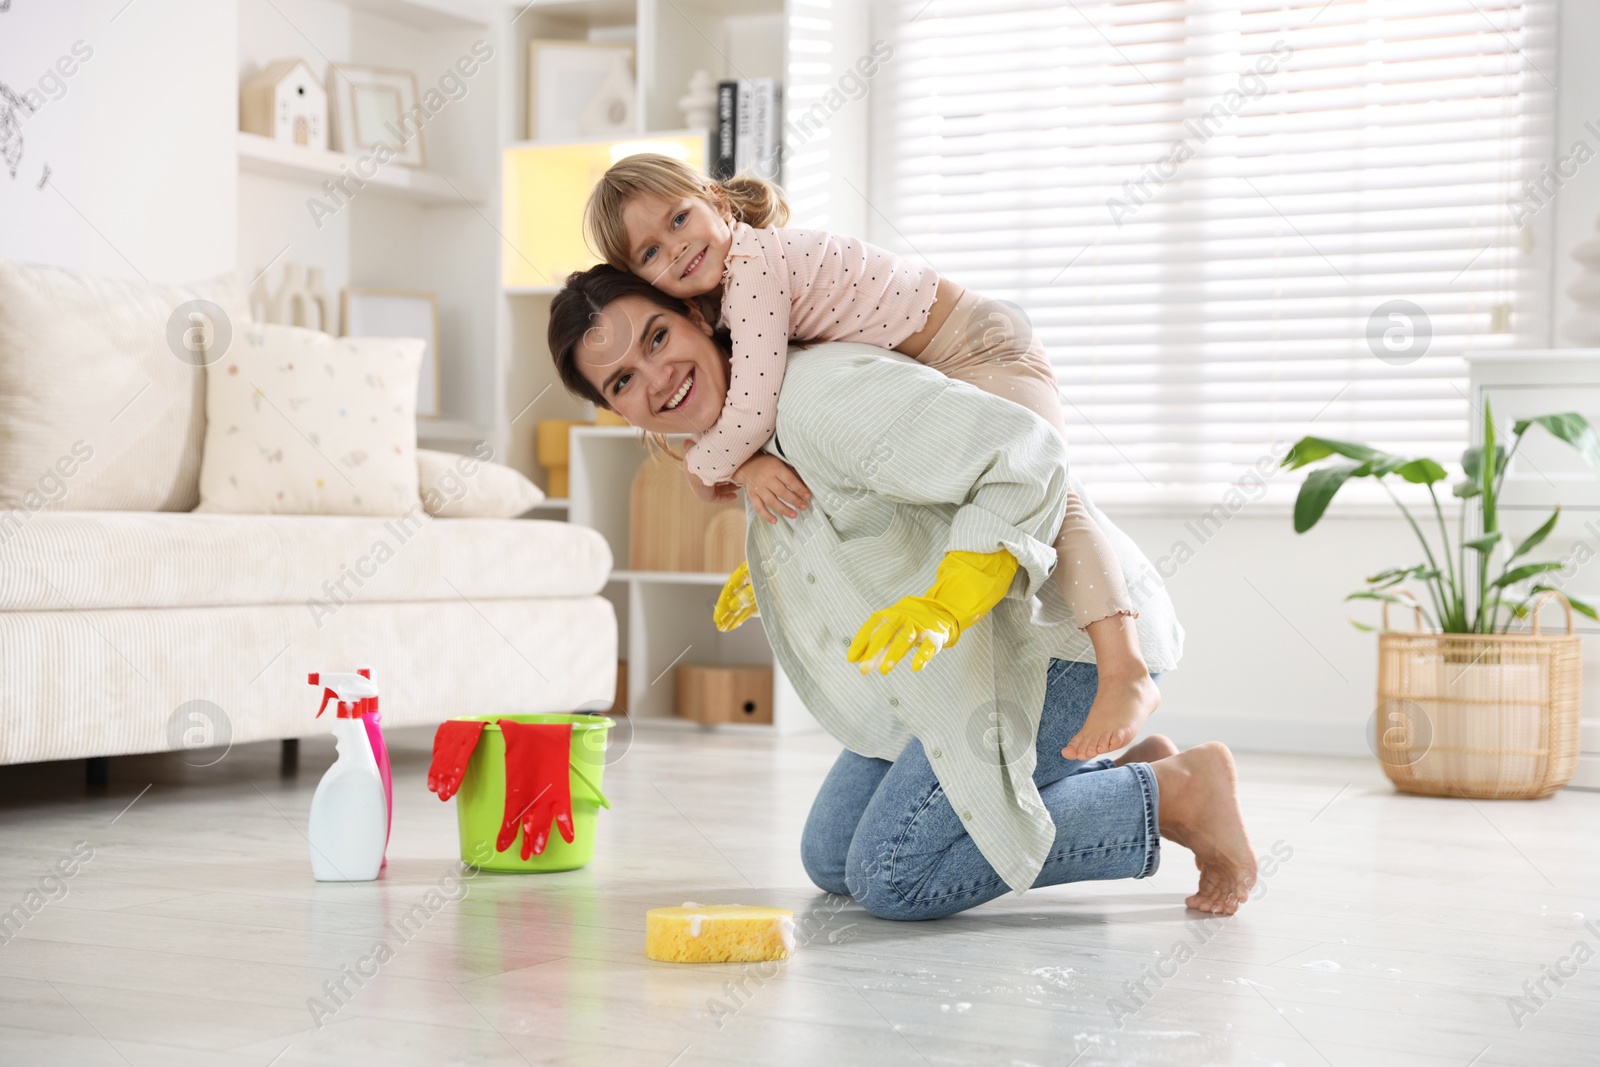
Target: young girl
724	244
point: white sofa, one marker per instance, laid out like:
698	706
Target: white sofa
120	610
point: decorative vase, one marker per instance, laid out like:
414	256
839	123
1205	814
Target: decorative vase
699	104
611	111
1584	326
327	310
291	304
260	300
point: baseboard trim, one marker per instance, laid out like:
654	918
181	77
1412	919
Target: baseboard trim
1250	733
1588	773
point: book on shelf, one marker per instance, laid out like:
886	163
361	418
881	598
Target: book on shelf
748	129
727	119
743	140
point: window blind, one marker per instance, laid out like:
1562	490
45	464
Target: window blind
1230	223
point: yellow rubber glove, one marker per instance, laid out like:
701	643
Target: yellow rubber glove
737	603
966	588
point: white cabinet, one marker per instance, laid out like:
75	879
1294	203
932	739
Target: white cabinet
1545	472
1521	384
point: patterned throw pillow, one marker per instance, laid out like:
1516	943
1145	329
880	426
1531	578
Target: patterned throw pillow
302	423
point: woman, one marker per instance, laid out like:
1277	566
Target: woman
951	787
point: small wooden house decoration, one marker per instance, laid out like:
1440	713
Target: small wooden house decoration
286	102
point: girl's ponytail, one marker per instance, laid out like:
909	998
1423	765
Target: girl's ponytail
754	201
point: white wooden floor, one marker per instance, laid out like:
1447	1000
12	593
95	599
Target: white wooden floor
1397	932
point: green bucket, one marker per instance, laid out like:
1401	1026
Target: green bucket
481	802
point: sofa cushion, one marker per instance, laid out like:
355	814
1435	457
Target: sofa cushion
303	423
63	560
470	487
96	410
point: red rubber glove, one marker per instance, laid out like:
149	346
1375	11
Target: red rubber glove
453	745
538	784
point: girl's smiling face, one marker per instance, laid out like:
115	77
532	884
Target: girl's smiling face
677	244
656	368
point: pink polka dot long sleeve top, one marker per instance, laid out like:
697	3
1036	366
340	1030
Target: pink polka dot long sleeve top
808	285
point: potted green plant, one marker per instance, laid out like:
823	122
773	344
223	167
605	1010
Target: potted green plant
1469	708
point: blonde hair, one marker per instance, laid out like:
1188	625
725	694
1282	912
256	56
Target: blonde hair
746	197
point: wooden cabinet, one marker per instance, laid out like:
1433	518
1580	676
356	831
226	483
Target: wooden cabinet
712	695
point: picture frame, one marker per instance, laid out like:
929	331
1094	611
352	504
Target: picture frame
371	312
565	77
369	106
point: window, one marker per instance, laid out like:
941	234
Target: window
1230	223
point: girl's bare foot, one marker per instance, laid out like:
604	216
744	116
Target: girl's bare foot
1152	748
1122	702
1199	809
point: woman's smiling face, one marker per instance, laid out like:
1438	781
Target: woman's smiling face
677	244
658	369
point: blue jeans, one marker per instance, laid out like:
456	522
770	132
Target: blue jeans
885	834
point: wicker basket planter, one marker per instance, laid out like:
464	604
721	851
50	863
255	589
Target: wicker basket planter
1491	716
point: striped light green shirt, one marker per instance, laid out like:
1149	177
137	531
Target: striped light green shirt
904	465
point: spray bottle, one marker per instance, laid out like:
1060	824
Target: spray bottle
380	752
349	813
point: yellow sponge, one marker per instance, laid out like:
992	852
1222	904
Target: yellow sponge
718	933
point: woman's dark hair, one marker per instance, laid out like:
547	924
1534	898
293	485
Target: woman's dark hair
576	308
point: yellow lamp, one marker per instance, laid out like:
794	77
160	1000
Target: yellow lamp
544	190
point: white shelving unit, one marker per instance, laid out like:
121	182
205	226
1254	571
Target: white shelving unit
449	432
664	616
429	14
426	228
263	155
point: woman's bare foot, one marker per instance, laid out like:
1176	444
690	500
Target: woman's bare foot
1199	809
1152	748
1122	702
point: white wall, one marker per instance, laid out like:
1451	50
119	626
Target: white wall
139	181
1577	205
1271	662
